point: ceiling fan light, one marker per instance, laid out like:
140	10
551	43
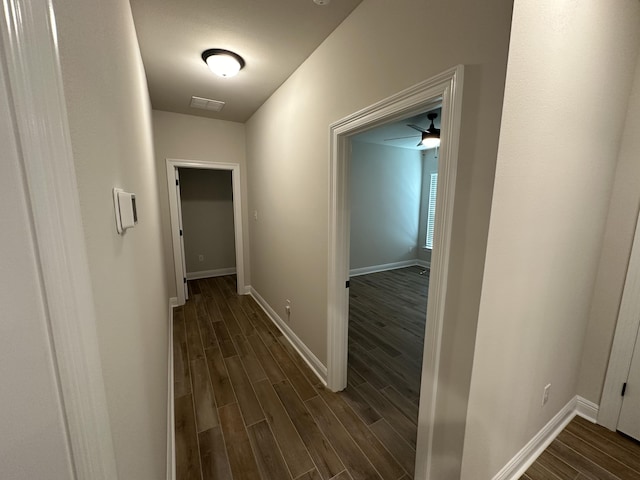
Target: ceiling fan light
430	140
223	62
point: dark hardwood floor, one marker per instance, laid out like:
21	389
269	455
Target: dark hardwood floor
248	407
587	451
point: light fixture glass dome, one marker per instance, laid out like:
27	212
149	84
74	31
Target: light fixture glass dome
223	62
430	141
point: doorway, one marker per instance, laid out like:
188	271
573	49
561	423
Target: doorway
620	401
177	237
447	89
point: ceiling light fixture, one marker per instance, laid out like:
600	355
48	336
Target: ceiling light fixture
223	62
431	136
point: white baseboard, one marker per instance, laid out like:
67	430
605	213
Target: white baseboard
587	409
532	450
307	355
247	289
219	272
384	267
171	440
423	263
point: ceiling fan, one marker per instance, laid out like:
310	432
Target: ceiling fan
430	137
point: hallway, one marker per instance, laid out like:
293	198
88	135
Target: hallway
248	407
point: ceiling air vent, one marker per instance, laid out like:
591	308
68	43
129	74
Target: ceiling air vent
206	104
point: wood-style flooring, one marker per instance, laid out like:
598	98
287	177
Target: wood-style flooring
248	407
585	451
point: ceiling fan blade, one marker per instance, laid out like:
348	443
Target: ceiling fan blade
416	127
400	138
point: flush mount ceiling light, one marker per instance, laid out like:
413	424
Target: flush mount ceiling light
223	62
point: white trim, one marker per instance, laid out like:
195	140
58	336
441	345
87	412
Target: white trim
587	409
446	87
171	436
30	54
423	263
532	450
173	301
307	355
172	164
218	272
623	341
383	268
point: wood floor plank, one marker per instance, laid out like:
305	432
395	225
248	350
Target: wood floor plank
206	415
241	459
297	379
293	449
596	455
181	375
359	405
270	461
385	464
538	472
254	369
207	334
187	456
557	466
579	462
213	455
407	430
270	366
614	445
343	476
404	454
247	400
311	475
409	409
220	381
194	343
324	456
227	346
311	377
357	464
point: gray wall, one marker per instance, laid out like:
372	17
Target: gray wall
110	124
288	154
614	256
385	188
207	219
187	137
553	184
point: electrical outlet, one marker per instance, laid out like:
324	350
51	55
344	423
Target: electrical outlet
201	258
287	308
545	394
255	215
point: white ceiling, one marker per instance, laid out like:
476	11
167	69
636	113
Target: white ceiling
274	37
391	134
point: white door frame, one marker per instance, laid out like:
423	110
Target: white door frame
623	342
174	207
30	58
446	86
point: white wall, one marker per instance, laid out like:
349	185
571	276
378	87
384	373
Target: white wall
614	256
207	219
187	137
377	51
33	442
554	177
110	126
385	186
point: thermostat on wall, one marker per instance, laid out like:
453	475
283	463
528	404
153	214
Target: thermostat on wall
124	204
